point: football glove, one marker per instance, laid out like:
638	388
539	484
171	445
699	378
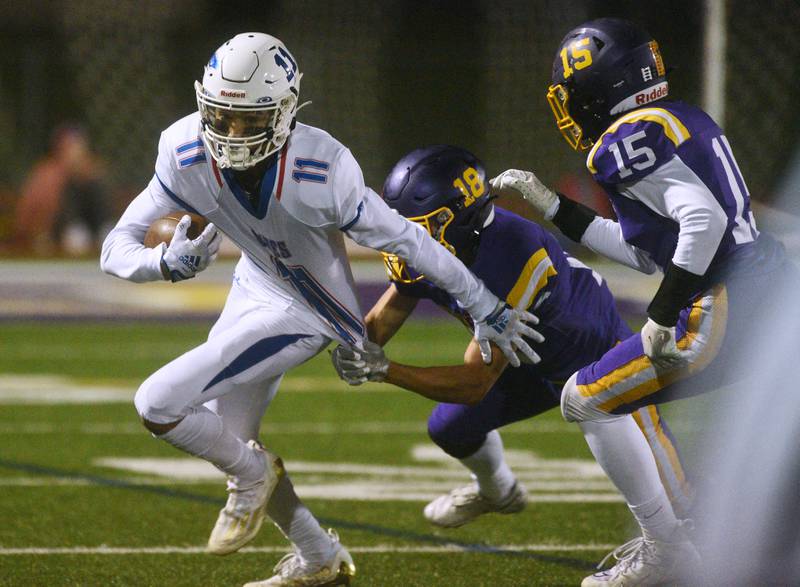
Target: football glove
659	344
505	327
514	182
356	366
184	258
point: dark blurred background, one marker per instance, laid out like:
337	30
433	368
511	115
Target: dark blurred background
384	77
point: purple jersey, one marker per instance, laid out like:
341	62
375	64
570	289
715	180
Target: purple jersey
671	146
523	264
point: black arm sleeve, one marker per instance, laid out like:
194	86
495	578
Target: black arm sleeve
573	218
675	292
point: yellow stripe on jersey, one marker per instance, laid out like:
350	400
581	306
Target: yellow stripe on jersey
654	432
674	129
534	277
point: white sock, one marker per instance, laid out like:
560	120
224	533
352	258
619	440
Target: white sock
489	467
298	524
203	435
656	518
622	451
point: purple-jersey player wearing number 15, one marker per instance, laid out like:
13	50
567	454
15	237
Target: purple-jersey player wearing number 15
683	207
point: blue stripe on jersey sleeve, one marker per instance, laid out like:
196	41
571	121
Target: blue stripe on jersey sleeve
251	356
189	161
189	146
174	197
350	224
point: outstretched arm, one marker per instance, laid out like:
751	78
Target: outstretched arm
388	315
457	384
378	227
460	384
578	222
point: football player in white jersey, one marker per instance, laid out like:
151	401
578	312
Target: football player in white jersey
286	194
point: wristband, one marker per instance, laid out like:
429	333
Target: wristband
572	218
675	292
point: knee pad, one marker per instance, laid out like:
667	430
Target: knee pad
446	429
577	408
152	402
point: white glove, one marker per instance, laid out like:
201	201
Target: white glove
356	366
183	258
514	181
505	327
659	344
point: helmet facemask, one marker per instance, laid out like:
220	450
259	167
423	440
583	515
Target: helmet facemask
241	135
435	224
460	239
558	98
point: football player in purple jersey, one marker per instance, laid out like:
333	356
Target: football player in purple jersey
444	188
683	208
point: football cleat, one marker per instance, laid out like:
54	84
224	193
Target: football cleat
643	562
241	518
464	504
294	571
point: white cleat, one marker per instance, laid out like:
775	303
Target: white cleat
241	518
464	504
643	562
294	571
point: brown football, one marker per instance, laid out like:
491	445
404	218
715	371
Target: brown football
162	229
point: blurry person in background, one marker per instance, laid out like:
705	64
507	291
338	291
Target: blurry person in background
64	204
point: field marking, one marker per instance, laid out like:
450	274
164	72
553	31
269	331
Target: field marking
546	480
378	549
56	389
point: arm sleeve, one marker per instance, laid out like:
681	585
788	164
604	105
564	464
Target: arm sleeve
379	227
674	191
123	253
604	236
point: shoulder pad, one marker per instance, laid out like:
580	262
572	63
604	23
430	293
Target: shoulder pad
182	167
635	145
323	180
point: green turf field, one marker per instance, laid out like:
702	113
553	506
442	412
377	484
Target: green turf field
90	498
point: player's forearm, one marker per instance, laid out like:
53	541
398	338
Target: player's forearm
702	224
387	315
604	236
382	229
123	254
459	384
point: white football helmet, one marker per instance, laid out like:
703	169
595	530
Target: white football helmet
248	99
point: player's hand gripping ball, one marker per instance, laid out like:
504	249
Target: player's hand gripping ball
188	244
163	229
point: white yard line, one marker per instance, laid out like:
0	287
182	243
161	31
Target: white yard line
55	389
380	548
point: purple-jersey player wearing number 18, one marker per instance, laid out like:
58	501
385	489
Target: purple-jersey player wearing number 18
444	189
683	207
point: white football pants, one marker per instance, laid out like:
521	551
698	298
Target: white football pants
236	372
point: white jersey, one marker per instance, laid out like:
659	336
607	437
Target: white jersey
293	242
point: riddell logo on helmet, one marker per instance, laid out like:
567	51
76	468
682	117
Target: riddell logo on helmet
232	94
655	94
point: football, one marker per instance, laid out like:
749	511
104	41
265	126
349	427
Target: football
162	229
